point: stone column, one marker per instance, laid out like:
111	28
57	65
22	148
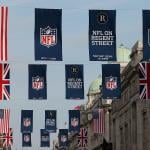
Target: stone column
139	127
134	126
117	134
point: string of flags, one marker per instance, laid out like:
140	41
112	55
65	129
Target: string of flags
48	34
50	127
37	86
48	46
102	47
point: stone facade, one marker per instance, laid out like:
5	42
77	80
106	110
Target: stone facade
130	118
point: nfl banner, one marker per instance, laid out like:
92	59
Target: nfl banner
74	82
48	34
63	138
74	120
26	121
37	82
146	35
111	86
26	140
45	138
102	35
50	120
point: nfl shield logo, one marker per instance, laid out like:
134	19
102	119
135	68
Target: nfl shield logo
74	122
26	138
111	83
63	138
48	37
37	83
27	122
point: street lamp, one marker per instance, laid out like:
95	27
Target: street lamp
100	96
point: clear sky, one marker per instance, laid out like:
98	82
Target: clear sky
75	51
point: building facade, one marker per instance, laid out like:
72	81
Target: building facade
130	118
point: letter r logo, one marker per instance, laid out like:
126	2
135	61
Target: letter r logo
102	18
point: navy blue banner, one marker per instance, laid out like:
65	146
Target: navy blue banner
74	120
26	140
45	138
74	82
37	82
102	35
63	138
26	121
111	86
48	34
146	35
50	120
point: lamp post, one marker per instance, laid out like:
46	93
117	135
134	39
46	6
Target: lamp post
107	107
100	96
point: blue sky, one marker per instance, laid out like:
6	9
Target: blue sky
75	50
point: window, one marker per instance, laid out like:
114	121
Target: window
126	137
134	123
114	134
121	138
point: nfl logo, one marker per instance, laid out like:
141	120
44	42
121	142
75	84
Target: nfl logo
48	37
27	122
37	83
26	138
63	138
111	83
74	122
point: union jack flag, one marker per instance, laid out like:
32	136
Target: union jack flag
144	77
3	33
4	81
7	138
82	138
